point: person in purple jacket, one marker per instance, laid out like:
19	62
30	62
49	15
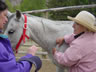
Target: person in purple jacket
8	62
80	56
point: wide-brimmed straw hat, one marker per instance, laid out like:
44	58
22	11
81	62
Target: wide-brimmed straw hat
85	19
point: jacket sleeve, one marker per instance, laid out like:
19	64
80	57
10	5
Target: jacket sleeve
69	38
8	62
33	60
70	57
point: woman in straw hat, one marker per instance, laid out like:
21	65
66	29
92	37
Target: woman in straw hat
81	54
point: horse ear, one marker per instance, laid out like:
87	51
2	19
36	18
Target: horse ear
18	14
9	14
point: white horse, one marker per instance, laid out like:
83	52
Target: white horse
42	31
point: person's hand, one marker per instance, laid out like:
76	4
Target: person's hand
53	51
32	50
60	41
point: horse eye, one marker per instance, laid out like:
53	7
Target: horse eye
11	31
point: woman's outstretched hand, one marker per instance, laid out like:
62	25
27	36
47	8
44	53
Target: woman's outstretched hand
32	50
60	41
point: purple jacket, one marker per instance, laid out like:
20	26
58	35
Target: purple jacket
7	59
81	55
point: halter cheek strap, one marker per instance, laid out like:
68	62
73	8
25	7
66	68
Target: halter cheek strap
23	35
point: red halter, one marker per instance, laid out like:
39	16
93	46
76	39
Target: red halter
23	35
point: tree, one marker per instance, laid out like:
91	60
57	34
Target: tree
62	15
28	5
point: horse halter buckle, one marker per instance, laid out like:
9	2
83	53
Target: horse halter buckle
25	26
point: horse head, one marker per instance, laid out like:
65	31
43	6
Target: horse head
15	26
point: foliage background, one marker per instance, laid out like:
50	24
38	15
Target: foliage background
28	5
62	15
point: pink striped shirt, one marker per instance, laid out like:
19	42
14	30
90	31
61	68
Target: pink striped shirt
81	55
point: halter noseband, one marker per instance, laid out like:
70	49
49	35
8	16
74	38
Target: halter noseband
23	35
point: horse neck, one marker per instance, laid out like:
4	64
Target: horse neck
39	33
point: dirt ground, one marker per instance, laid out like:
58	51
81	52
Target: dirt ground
47	66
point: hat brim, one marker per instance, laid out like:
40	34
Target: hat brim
86	25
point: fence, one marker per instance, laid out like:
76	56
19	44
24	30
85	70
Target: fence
23	50
62	8
38	54
45	11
